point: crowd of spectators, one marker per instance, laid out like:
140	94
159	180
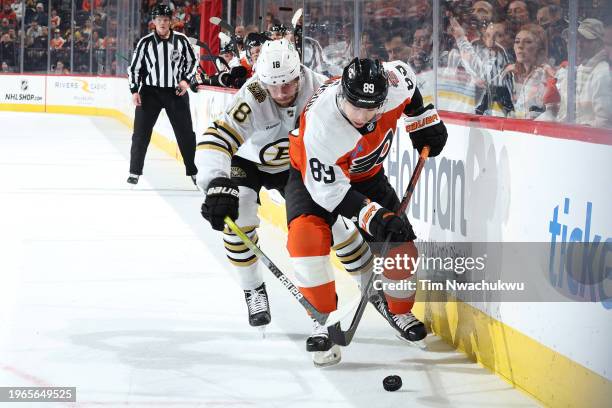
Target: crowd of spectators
51	42
496	57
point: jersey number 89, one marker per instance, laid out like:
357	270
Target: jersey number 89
321	172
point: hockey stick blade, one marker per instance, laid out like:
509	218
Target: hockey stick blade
223	24
344	338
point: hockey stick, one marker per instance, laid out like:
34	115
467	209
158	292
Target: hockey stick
223	24
322	318
344	338
215	58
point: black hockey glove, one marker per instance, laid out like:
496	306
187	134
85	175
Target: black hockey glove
221	201
380	222
426	128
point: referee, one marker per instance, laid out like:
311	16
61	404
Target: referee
159	75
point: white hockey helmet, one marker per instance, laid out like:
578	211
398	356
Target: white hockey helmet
278	62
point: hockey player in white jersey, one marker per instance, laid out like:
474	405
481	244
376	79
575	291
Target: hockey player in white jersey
247	148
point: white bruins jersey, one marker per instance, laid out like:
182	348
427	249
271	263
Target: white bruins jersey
253	127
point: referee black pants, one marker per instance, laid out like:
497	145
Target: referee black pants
153	100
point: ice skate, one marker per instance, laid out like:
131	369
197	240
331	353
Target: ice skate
259	308
408	327
324	352
133	179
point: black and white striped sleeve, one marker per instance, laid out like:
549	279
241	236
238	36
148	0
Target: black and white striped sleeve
137	63
190	64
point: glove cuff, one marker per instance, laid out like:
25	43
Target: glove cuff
424	120
222	186
366	214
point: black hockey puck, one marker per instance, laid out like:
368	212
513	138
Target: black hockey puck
392	383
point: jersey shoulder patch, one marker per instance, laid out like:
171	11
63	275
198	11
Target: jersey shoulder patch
402	83
257	91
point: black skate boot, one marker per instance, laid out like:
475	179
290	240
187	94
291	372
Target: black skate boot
325	352
133	178
257	303
408	327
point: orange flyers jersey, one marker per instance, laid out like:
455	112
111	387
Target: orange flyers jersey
330	153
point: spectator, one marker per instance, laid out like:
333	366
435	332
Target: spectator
55	19
251	29
7	49
485	61
530	72
518	14
88	29
422	49
4	26
8	13
87	5
396	48
593	83
33	32
99	24
59	68
96	41
57	41
5	68
483	13
550	18
42	40
30	11
17	9
241	31
100	11
40	16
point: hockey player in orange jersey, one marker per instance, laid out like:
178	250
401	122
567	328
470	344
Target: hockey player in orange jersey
346	131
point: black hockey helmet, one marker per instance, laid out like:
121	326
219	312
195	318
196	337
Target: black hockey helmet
278	28
161	10
227	48
364	83
255	40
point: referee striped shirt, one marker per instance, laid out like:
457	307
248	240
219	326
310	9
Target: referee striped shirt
161	62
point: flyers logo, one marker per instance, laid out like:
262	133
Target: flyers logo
376	157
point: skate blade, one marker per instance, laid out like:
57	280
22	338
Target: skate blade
262	331
419	343
327	358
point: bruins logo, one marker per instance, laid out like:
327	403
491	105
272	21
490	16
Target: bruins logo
257	91
376	157
275	154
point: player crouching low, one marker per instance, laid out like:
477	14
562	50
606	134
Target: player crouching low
337	156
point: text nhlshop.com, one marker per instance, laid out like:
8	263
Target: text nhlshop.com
22	97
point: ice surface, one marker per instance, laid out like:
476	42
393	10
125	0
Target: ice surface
126	294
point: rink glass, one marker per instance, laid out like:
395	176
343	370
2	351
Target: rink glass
99	41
